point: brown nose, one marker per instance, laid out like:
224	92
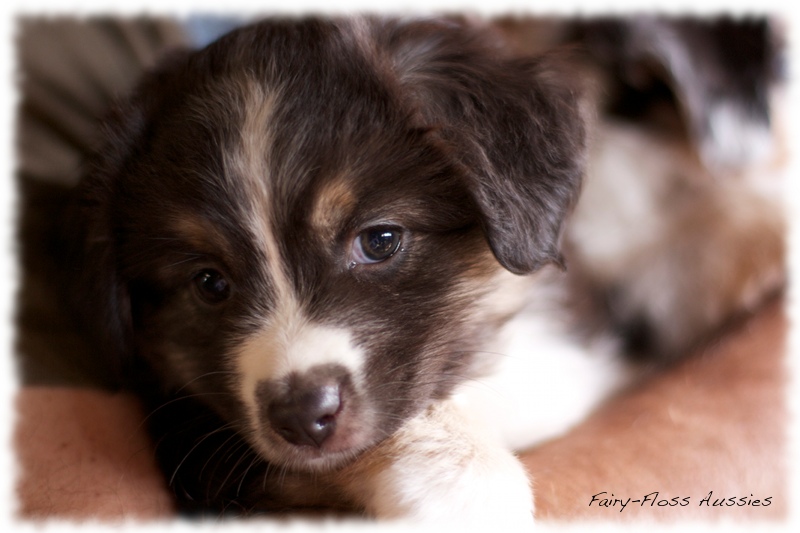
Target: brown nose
306	415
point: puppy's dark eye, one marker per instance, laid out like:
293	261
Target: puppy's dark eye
377	244
212	286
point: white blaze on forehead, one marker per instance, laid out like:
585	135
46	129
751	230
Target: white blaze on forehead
287	342
248	163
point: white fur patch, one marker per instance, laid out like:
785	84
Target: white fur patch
736	140
544	383
441	467
289	343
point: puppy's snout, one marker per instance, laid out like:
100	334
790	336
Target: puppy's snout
308	408
307	415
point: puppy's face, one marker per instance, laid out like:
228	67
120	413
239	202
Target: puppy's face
303	223
325	291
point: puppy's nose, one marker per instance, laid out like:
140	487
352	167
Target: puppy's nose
307	416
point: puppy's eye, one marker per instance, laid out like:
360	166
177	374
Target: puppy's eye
377	244
212	286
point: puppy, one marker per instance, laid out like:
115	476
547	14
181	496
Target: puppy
330	256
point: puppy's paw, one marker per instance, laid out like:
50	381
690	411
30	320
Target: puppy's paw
442	467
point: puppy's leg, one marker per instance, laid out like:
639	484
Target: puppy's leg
442	466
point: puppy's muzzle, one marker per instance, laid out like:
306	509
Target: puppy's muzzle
306	408
308	416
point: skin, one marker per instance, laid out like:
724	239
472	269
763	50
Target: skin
716	421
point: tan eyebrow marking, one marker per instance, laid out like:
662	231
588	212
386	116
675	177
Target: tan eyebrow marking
200	234
334	202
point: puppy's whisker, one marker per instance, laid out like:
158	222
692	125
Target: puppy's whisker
447	379
217	451
202	376
176	400
184	261
282	475
186	456
389	416
248	452
266	475
256	458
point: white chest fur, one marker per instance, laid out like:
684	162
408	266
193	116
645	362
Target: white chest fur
545	380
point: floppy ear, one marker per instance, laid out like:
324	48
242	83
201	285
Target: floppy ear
516	127
96	294
532	145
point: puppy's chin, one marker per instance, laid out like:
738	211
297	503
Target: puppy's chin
342	449
307	459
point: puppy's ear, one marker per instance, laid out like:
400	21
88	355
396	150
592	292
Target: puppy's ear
516	127
529	148
90	231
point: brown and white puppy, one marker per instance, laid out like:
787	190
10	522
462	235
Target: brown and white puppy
328	254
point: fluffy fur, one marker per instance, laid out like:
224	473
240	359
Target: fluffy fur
226	239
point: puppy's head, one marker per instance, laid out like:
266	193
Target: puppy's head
717	76
301	223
